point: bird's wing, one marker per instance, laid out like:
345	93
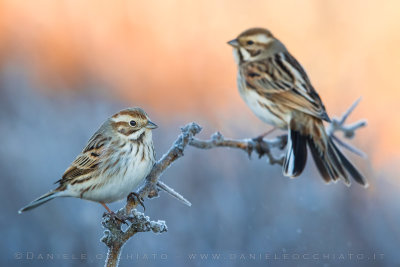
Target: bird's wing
283	80
86	162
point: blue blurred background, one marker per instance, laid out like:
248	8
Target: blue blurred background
65	66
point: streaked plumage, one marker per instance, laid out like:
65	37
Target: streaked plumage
277	89
114	162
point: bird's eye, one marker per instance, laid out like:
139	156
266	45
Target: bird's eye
250	42
132	123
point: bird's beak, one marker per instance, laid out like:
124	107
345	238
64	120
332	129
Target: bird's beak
234	43
151	125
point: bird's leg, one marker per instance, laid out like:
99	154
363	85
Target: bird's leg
107	208
113	215
135	198
260	137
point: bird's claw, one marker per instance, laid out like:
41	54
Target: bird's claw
136	199
261	136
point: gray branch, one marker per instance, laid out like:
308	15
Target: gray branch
260	146
348	130
115	237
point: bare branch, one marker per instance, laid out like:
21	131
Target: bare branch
175	152
338	125
173	193
115	237
349	147
260	146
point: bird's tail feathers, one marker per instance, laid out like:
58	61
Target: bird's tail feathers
296	155
41	200
330	161
350	168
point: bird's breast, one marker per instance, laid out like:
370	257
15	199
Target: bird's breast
265	109
121	173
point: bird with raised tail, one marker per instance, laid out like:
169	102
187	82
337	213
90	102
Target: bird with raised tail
277	89
115	161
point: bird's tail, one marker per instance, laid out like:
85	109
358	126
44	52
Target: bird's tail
41	200
296	155
330	161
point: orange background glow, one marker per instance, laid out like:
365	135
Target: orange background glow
173	56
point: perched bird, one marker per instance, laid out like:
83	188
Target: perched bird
115	161
277	89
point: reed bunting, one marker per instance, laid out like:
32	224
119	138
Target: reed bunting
277	89
114	162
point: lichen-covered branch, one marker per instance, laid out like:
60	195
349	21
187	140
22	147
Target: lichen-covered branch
115	237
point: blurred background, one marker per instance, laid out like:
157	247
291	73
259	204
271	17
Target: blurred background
65	66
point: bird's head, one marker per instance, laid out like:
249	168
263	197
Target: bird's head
131	123
255	44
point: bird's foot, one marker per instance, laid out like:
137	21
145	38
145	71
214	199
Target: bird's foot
136	199
261	136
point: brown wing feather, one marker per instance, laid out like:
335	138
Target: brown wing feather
282	79
86	162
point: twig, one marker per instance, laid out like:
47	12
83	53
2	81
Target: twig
260	146
115	237
338	125
173	193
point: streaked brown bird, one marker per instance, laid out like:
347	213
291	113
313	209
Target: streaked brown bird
277	89
115	161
